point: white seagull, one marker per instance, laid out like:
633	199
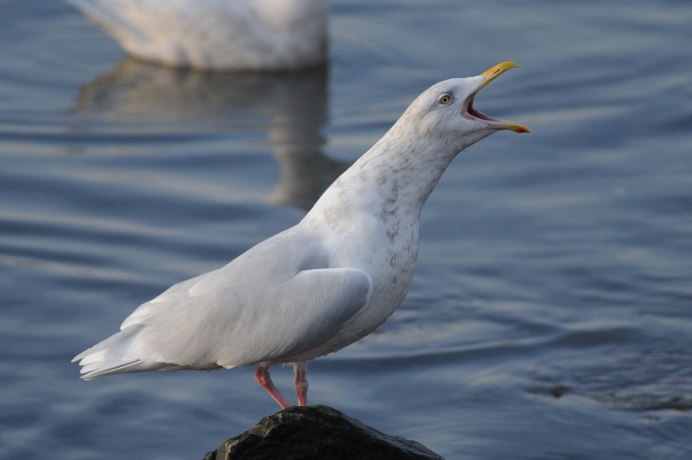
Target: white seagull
324	283
257	35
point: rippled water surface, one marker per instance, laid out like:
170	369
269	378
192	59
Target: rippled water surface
551	313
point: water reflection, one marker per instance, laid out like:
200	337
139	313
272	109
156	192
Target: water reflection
291	107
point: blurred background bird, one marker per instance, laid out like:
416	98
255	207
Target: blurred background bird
256	35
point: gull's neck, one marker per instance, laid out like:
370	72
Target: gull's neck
391	181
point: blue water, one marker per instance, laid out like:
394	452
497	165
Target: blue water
551	313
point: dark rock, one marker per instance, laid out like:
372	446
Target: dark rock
317	432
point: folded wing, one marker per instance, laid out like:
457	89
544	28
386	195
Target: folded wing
205	323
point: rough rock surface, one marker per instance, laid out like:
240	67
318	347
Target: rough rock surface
317	432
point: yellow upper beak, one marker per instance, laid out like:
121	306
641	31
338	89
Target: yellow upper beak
495	71
490	75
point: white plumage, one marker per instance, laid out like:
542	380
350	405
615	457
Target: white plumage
261	35
324	283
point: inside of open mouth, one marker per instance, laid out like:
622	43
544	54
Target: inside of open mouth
469	109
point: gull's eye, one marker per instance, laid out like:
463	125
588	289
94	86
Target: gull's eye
445	99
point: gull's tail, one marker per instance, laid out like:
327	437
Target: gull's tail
111	357
106	13
114	17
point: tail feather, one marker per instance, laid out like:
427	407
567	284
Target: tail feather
111	357
92	371
113	17
102	12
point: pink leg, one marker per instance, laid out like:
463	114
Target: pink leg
300	371
264	379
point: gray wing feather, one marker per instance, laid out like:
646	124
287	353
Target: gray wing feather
245	324
278	300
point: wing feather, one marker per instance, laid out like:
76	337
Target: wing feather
233	326
251	323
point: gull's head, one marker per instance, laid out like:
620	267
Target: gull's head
446	111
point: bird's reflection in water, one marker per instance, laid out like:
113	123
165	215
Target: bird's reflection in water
292	108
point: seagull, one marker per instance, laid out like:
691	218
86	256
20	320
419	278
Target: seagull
254	35
324	283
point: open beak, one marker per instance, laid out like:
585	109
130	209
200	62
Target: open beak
470	112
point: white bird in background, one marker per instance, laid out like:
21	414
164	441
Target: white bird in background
324	283
258	35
